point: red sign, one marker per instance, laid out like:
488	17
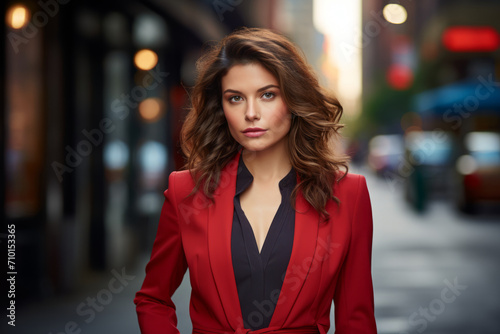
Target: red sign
471	39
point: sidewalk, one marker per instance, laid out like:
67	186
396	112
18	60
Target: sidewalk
104	305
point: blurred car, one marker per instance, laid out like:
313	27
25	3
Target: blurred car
385	153
479	170
430	154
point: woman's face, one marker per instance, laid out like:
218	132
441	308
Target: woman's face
257	116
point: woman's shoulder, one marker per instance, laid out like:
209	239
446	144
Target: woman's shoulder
350	178
350	184
181	182
352	192
183	175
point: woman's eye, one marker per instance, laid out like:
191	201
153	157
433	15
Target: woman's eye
268	95
235	98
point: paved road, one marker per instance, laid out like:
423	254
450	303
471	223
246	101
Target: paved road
435	273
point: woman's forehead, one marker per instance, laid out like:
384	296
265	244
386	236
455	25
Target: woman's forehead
247	77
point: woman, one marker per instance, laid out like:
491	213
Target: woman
266	218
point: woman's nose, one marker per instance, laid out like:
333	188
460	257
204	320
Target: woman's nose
252	111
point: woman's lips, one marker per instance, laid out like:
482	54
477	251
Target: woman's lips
254	132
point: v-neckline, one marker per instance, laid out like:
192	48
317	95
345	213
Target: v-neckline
276	224
271	234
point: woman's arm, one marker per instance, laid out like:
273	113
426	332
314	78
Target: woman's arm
164	272
354	306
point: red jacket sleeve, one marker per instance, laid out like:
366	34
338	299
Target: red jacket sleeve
354	306
164	272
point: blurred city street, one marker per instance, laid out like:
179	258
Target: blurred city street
93	98
415	257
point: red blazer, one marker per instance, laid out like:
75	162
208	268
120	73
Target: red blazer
329	261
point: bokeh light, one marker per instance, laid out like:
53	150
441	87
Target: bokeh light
466	165
116	155
153	157
17	16
145	59
151	109
395	14
399	77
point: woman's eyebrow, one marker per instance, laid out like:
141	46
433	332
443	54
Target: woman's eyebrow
267	87
232	91
258	90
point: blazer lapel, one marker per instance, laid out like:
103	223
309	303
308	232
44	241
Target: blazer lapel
301	259
220	219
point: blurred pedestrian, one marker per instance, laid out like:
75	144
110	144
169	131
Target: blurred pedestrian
266	217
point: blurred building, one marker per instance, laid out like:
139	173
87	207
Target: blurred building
93	95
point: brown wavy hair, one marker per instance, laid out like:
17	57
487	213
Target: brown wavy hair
208	144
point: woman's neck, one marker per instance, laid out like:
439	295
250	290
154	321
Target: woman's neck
268	165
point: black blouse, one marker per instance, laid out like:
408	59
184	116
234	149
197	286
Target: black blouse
259	276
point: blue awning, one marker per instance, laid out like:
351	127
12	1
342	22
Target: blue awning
480	96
